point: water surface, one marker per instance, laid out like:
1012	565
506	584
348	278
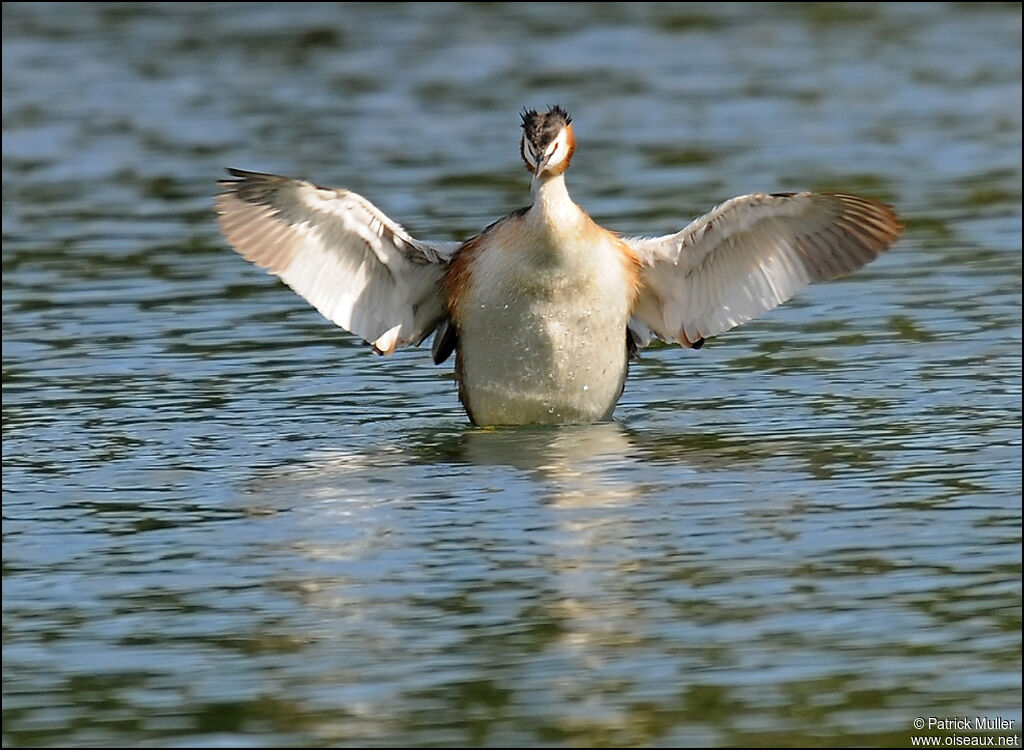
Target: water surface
227	522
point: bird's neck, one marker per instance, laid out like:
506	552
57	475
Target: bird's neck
552	206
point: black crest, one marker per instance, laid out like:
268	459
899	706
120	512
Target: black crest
541	129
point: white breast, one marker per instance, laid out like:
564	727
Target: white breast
542	337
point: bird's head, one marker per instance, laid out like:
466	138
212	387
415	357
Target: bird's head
548	142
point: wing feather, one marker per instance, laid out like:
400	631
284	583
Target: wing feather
340	253
751	254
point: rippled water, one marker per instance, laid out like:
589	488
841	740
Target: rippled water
226	522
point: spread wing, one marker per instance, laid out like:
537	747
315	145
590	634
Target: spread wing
341	253
749	255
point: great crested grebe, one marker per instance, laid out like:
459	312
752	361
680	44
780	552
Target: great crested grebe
544	308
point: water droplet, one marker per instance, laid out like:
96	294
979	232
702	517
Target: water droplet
586	387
